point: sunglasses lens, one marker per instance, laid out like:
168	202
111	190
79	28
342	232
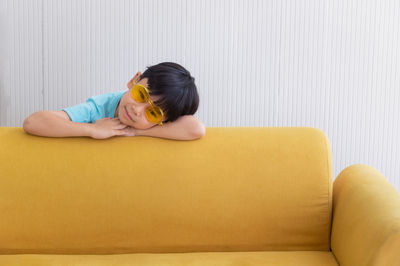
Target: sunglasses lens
154	114
139	94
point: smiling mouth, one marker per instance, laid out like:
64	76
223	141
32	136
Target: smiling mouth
126	113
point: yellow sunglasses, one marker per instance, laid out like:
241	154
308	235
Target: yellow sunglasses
141	94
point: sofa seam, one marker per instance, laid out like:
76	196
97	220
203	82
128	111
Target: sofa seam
330	203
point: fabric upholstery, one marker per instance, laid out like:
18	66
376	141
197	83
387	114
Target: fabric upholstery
236	189
237	196
366	223
275	258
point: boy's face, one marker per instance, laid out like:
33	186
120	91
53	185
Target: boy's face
132	113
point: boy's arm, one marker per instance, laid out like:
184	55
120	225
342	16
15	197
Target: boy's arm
186	127
55	124
58	124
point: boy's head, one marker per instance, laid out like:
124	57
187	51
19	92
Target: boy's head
171	87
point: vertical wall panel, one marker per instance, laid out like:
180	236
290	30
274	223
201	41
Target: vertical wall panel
333	65
21	65
6	41
89	49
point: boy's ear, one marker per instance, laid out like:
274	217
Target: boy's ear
133	81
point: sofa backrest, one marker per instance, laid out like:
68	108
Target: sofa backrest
235	189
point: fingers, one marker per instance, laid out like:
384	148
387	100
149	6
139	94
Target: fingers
121	132
118	124
121	126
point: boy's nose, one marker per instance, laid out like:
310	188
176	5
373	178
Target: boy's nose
136	110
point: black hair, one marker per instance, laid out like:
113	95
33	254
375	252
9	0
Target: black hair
177	89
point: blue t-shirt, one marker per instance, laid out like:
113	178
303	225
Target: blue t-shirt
95	108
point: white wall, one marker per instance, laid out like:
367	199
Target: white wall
330	64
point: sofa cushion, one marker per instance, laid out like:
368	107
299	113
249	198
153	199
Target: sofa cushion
293	258
235	189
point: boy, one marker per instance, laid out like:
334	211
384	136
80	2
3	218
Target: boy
159	103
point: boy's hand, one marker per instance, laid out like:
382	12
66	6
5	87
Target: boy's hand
130	132
107	128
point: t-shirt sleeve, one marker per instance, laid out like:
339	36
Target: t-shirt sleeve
95	108
81	113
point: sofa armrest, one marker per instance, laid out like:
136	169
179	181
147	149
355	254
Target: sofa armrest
366	218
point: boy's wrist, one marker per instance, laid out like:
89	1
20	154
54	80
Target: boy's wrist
88	129
139	132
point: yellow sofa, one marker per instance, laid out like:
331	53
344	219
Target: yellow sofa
237	196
